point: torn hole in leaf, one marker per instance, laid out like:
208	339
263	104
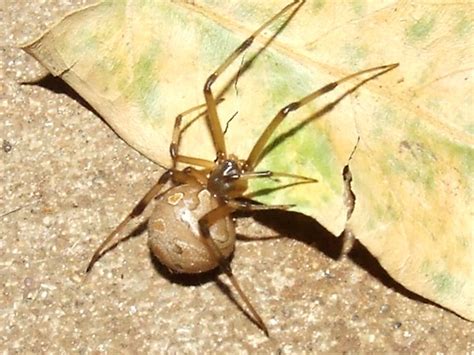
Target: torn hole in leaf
349	201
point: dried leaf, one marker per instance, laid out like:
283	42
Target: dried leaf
407	136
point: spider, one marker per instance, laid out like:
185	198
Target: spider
191	229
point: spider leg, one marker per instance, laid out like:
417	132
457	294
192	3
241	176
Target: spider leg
138	209
255	154
189	176
273	174
205	223
270	174
249	206
213	117
176	138
199	175
194	161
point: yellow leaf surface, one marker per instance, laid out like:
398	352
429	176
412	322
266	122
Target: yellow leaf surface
407	136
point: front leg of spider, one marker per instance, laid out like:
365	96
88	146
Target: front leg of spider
211	102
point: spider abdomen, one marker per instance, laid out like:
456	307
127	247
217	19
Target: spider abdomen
174	233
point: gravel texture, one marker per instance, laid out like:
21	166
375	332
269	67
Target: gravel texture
67	180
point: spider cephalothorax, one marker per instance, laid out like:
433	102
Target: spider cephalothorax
225	180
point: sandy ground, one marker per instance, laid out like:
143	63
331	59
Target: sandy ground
67	180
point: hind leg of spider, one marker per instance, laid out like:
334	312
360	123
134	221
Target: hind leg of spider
175	175
139	208
256	153
213	118
205	223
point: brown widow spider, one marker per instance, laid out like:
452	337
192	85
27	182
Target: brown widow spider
190	229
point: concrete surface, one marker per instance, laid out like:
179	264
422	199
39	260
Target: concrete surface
67	180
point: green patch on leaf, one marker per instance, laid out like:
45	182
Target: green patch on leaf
444	283
464	26
421	29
